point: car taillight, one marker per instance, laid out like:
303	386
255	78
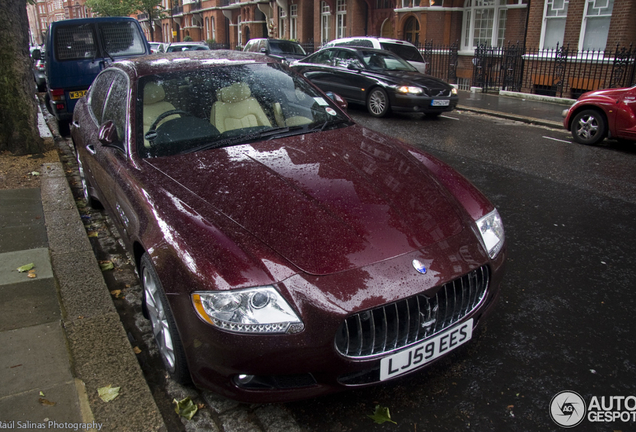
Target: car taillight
57	95
40	66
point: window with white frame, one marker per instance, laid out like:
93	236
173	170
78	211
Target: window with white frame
325	18
555	13
341	18
596	23
239	38
484	23
282	22
293	22
213	29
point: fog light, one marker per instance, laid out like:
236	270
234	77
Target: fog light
243	380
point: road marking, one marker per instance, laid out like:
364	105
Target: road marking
452	118
556	139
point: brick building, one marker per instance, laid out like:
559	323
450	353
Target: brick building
454	26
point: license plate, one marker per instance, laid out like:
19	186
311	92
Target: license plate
440	102
76	94
425	352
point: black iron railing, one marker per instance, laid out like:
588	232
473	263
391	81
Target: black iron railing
441	61
560	71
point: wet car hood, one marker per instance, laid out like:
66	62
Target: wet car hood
326	202
614	93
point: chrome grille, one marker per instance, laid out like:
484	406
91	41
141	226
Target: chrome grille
410	320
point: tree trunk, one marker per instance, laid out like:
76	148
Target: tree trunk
18	108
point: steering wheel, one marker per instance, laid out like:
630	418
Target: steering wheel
152	133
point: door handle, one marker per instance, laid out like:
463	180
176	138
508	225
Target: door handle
91	149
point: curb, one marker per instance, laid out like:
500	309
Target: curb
525	119
99	350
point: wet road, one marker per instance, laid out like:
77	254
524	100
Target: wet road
565	319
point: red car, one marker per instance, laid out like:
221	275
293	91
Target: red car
602	113
284	251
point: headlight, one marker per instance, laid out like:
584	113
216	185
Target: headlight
492	232
253	310
453	91
409	89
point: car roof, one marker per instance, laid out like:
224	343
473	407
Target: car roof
80	21
187	60
371	38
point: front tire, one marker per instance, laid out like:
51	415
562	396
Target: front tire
84	181
589	127
164	327
378	102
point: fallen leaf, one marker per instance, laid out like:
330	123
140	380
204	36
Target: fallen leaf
35	173
108	393
46	402
185	408
136	350
381	415
42	394
116	293
106	265
93	234
26	267
32	274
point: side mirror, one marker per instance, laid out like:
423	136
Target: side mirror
108	134
354	66
264	51
339	100
36	54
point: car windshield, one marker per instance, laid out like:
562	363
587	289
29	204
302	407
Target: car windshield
224	105
376	60
286	47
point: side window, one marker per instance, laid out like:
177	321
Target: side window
97	96
116	105
345	58
250	46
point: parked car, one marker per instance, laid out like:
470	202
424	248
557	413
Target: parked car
39	72
602	113
378	79
404	49
77	50
284	50
284	251
158	47
187	46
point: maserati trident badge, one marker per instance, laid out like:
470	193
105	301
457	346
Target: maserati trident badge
419	266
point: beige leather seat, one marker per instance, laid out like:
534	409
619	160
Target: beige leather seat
235	108
289	121
154	106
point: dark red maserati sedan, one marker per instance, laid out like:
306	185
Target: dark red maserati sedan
284	251
602	113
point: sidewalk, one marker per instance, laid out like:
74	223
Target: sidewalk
60	336
528	108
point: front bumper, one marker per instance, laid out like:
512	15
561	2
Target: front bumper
279	368
423	104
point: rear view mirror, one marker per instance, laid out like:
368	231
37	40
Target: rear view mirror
339	100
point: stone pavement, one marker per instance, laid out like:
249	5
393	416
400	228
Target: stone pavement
61	338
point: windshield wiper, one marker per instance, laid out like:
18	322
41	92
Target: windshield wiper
268	134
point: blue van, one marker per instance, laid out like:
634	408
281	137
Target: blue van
77	50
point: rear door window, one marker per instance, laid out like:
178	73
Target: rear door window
75	42
407	52
121	39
